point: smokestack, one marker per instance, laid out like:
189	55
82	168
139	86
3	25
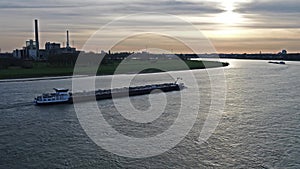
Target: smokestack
68	40
37	38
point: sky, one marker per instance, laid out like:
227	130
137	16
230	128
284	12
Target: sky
232	26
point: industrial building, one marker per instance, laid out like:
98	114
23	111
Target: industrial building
32	51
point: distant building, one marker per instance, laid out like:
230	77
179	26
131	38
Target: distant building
55	49
52	46
19	53
28	52
31	49
52	49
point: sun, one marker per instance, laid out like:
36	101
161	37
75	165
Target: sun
229	16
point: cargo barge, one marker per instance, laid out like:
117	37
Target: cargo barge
64	96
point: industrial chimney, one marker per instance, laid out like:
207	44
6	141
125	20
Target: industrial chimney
37	39
68	40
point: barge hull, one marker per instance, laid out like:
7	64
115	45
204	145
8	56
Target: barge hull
121	94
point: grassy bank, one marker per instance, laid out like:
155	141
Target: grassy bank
132	66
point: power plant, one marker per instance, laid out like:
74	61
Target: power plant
32	51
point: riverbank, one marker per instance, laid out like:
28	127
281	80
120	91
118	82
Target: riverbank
40	78
40	70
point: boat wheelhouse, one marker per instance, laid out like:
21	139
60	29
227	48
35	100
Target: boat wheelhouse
61	95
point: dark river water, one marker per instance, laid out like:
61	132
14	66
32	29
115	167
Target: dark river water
259	127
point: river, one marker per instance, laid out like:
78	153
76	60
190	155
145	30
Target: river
259	127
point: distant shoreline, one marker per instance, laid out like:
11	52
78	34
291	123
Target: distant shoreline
40	78
55	73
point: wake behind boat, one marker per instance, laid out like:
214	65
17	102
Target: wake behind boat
64	96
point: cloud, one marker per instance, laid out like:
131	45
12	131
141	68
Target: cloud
57	14
116	6
271	6
270	14
271	21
